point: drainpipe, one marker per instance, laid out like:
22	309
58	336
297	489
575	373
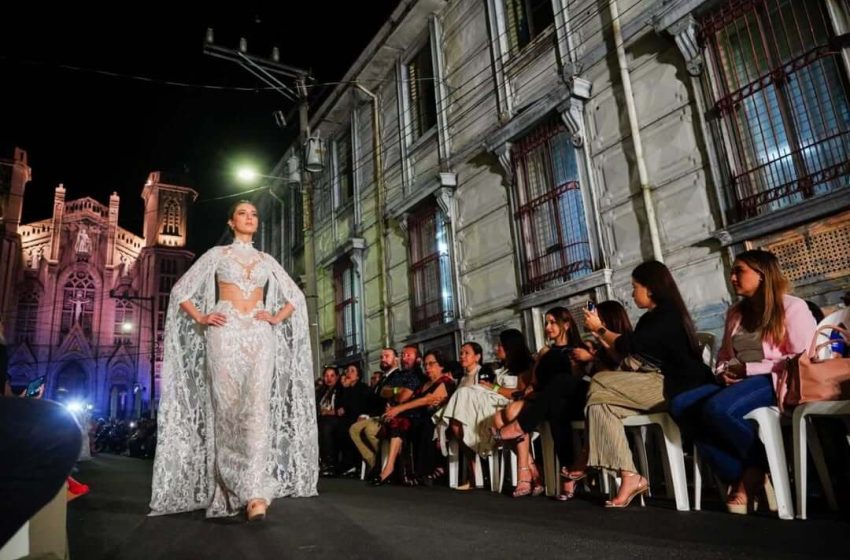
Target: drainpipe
635	131
380	195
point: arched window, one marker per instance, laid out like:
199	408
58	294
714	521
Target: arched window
78	303
171	217
25	325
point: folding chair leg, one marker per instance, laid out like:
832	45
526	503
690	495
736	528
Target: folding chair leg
820	465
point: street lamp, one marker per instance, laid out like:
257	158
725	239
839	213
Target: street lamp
128	327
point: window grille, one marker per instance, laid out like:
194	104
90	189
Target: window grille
782	94
347	310
431	273
550	211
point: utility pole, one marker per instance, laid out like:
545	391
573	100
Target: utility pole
150	299
270	72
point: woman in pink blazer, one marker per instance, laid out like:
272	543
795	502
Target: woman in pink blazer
766	326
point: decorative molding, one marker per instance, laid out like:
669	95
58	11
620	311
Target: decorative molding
570	113
684	33
448	203
503	152
352	249
596	279
434	332
786	218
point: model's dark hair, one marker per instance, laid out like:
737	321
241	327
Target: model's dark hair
236	205
662	288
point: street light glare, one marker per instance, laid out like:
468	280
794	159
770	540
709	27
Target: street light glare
246	174
126	327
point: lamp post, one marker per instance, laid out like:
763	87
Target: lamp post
127	297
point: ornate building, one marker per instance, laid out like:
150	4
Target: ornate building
85	299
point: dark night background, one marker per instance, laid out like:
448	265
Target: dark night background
97	133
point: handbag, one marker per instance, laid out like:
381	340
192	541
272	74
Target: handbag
808	378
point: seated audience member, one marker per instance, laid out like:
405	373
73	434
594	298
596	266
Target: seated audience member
396	387
413	419
765	327
557	395
595	355
39	444
352	402
661	359
328	421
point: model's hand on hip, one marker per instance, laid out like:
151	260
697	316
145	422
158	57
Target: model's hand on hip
214	319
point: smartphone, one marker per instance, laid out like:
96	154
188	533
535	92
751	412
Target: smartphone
34	386
590	305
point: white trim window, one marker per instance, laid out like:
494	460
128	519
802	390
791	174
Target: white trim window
343	169
420	92
525	20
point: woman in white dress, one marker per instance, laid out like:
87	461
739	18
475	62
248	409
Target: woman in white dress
469	412
237	419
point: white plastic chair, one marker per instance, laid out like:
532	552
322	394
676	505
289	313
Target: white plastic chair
805	438
18	546
770	433
674	459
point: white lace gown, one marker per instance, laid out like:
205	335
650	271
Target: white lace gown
236	418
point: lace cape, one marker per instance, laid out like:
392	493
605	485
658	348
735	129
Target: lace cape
183	473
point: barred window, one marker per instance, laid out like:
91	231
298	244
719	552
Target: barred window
167	279
344	169
125	322
550	212
347	310
782	93
430	267
26	322
421	92
78	303
526	19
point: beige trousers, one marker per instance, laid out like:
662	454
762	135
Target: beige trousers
614	395
366	429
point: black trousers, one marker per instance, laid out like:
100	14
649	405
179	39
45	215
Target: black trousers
328	426
349	457
426	454
39	444
560	401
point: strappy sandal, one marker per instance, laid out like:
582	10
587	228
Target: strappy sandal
501	440
523	487
566	495
537	483
429	479
641	489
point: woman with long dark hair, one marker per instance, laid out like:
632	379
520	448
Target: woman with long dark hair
557	395
661	359
764	328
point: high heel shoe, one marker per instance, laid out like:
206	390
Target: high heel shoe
382	481
523	487
256	510
641	489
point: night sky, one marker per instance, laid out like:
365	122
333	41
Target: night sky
85	93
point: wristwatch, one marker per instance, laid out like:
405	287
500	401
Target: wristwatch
601	331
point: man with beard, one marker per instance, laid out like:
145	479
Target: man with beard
396	387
